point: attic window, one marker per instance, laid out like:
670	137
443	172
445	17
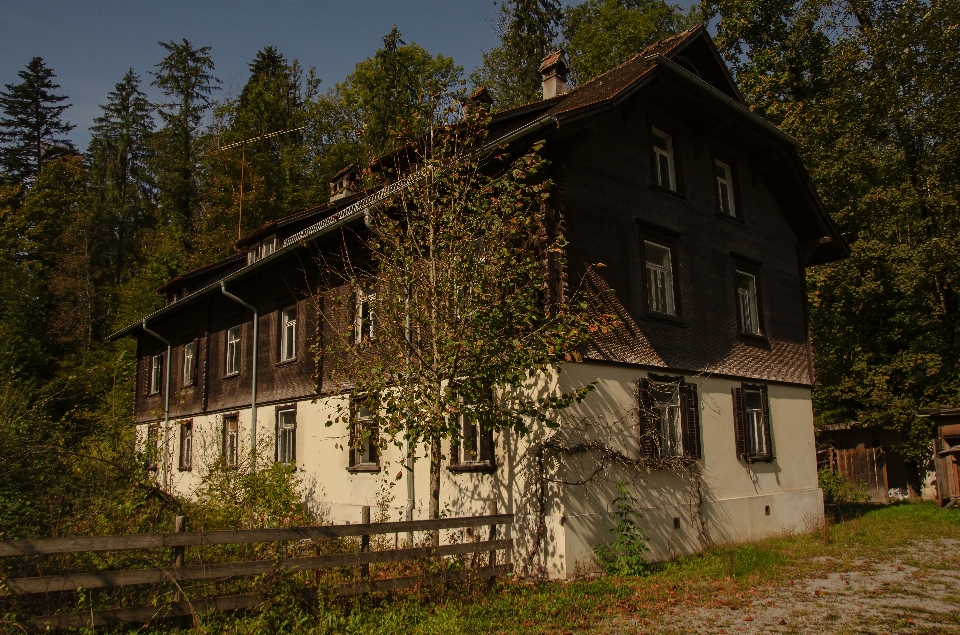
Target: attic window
663	154
259	251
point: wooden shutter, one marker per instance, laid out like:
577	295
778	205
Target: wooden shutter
764	402
485	443
647	425
691	420
740	421
353	436
196	361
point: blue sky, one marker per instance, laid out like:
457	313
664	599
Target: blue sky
91	43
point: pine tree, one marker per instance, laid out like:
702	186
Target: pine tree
184	77
31	127
119	153
528	32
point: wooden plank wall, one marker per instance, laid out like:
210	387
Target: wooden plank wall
864	466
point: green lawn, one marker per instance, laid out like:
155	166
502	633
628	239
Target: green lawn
720	576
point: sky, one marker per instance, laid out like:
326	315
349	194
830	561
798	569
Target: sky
90	44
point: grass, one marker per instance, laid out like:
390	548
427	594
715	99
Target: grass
722	576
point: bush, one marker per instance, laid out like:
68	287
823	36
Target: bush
837	489
627	554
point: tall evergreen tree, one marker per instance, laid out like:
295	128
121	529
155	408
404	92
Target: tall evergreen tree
31	127
600	34
119	153
184	77
528	31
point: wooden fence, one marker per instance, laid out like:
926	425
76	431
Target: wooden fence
862	466
180	540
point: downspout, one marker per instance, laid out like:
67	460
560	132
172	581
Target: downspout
253	382
165	479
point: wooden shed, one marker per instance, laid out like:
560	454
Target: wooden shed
864	455
946	450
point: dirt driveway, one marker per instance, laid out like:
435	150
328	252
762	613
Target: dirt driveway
915	590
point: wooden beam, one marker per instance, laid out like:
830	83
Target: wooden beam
102	579
192	539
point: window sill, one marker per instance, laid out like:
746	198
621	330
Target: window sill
759	459
666	319
736	220
484	466
669	193
364	469
759	341
231	376
285	362
184	469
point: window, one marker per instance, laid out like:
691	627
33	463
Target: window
474	448
189	355
233	350
659	266
669	418
259	251
151	446
723	176
186	445
231	440
286	436
364	453
663	156
288	334
156	374
364	321
747	305
752	423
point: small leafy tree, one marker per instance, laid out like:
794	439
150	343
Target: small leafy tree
628	553
456	319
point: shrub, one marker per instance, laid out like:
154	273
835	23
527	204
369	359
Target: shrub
627	554
837	489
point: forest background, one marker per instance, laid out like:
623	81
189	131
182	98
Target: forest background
869	87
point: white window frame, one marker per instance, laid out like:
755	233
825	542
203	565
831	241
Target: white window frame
728	203
287	436
367	455
365	327
756	430
748	306
234	337
668	154
231	440
288	334
156	374
189	360
186	445
667	403
661	290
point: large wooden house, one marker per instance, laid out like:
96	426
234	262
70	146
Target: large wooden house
706	220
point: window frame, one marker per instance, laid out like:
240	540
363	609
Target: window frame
279	432
486	459
284	323
228	461
670	153
691	432
185	454
742	433
189	374
743	264
355	465
155	380
237	350
734	175
364	295
662	237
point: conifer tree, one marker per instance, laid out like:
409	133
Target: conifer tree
119	153
31	127
528	32
184	77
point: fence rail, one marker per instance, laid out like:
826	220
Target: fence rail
178	572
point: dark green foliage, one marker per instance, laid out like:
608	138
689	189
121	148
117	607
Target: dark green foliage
627	554
528	31
837	489
31	128
600	34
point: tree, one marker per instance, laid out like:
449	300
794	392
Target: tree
184	77
528	30
31	124
454	323
870	89
600	34
119	157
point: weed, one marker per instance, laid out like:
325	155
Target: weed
627	554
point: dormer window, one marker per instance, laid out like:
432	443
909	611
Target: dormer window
344	183
259	251
663	155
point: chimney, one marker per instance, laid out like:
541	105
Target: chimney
553	69
481	99
344	183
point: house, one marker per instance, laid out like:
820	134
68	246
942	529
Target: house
946	449
705	219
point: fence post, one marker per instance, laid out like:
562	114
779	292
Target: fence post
365	540
178	526
492	510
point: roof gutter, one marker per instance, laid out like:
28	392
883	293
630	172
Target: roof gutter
704	87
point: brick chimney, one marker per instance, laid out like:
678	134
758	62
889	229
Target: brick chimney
553	69
344	183
480	98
